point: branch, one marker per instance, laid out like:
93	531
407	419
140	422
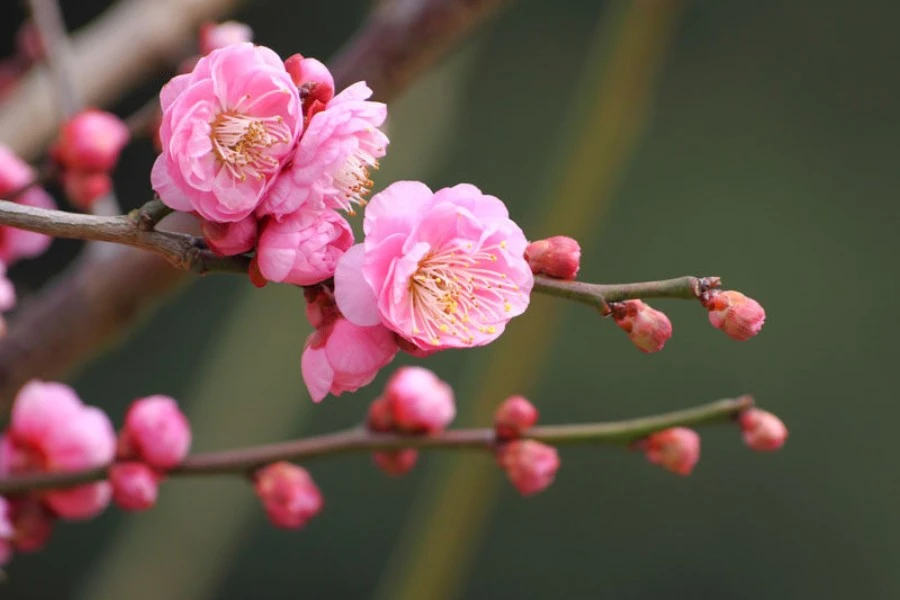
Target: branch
100	295
245	460
51	29
599	295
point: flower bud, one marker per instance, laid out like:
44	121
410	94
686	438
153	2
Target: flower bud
420	402
81	502
228	239
762	431
289	495
734	313
313	78
530	465
135	486
676	449
84	188
380	418
155	431
514	416
32	524
396	463
648	328
218	35
91	141
558	256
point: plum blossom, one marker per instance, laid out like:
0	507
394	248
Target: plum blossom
228	239
227	129
304	248
513	417
419	401
647	328
762	431
156	432
330	166
91	141
289	495
18	243
530	465
52	431
442	270
218	35
739	316
676	449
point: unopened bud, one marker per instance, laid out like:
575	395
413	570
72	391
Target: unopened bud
32	524
530	465
514	416
558	256
312	78
648	328
229	239
762	431
420	402
155	431
84	188
218	35
135	486
288	493
738	316
396	462
380	418
91	141
676	449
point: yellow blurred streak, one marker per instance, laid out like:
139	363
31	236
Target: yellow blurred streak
442	533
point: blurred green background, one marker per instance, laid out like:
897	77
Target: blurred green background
755	141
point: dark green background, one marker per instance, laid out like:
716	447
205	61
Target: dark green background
769	157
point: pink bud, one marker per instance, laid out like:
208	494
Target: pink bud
648	328
228	239
84	188
514	416
530	465
420	401
313	78
734	313
676	449
762	430
157	432
380	418
32	523
396	462
289	495
558	256
135	486
91	141
81	502
218	35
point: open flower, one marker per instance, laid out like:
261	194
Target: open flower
227	129
331	164
18	243
304	248
443	270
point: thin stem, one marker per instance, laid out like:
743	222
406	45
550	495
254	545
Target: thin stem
245	460
600	295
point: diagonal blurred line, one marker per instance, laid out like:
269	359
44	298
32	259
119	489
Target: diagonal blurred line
442	534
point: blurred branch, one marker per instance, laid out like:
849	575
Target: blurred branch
245	460
51	29
103	293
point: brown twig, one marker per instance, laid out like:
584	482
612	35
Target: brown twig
100	295
245	460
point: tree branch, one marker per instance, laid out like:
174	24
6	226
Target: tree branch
245	460
599	295
101	294
51	29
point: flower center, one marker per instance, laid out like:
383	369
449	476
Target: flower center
243	144
352	179
455	293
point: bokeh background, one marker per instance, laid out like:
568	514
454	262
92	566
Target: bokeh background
755	141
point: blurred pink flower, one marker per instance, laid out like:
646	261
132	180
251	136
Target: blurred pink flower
227	129
330	166
304	248
289	495
18	243
443	269
396	463
156	432
218	35
51	431
7	533
530	465
513	417
135	486
419	401
91	141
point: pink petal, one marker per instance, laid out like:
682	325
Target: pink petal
355	299
394	209
317	372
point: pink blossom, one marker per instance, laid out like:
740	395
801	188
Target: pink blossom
314	81
343	357
676	449
7	297
33	523
51	431
530	465
218	35
304	248
18	243
762	431
558	256
380	417
443	270
227	129
513	417
228	239
84	188
330	166
7	533
738	316
91	141
135	486
419	400
155	431
648	328
289	495
396	463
